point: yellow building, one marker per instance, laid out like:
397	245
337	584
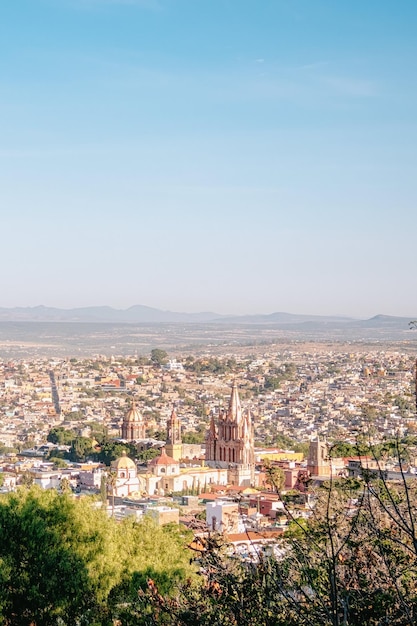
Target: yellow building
278	455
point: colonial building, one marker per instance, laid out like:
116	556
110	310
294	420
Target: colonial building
133	427
125	479
174	445
174	441
164	465
318	462
164	475
230	442
230	458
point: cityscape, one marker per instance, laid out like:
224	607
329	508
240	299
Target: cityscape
299	391
235	442
208	313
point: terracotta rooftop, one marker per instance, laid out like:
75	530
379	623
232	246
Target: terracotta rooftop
163	459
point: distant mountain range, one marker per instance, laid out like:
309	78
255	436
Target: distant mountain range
140	314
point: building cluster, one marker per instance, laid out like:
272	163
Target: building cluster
294	393
305	396
226	476
336	394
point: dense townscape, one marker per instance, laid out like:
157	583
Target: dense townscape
229	456
294	393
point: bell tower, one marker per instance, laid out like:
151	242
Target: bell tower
318	462
174	441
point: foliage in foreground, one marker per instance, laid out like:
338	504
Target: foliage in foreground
353	564
61	558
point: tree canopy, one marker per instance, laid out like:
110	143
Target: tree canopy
112	450
61	436
65	559
158	356
81	449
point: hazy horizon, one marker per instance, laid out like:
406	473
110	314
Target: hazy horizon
227	156
211	310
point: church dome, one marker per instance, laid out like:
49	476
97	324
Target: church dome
123	463
163	459
133	414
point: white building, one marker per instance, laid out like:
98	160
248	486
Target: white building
223	516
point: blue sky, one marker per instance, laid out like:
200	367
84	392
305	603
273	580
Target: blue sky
240	156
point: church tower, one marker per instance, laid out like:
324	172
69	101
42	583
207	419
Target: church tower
133	427
211	440
230	442
174	441
318	462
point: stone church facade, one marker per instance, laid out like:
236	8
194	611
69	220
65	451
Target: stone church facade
230	442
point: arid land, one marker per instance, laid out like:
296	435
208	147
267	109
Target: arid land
63	339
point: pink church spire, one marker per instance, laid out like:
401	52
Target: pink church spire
234	414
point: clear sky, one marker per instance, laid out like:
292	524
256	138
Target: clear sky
238	156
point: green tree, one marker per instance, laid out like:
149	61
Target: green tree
158	356
149	454
61	436
272	382
194	437
65	561
54	558
7	449
113	450
81	449
275	476
233	594
58	462
343	449
103	489
98	432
